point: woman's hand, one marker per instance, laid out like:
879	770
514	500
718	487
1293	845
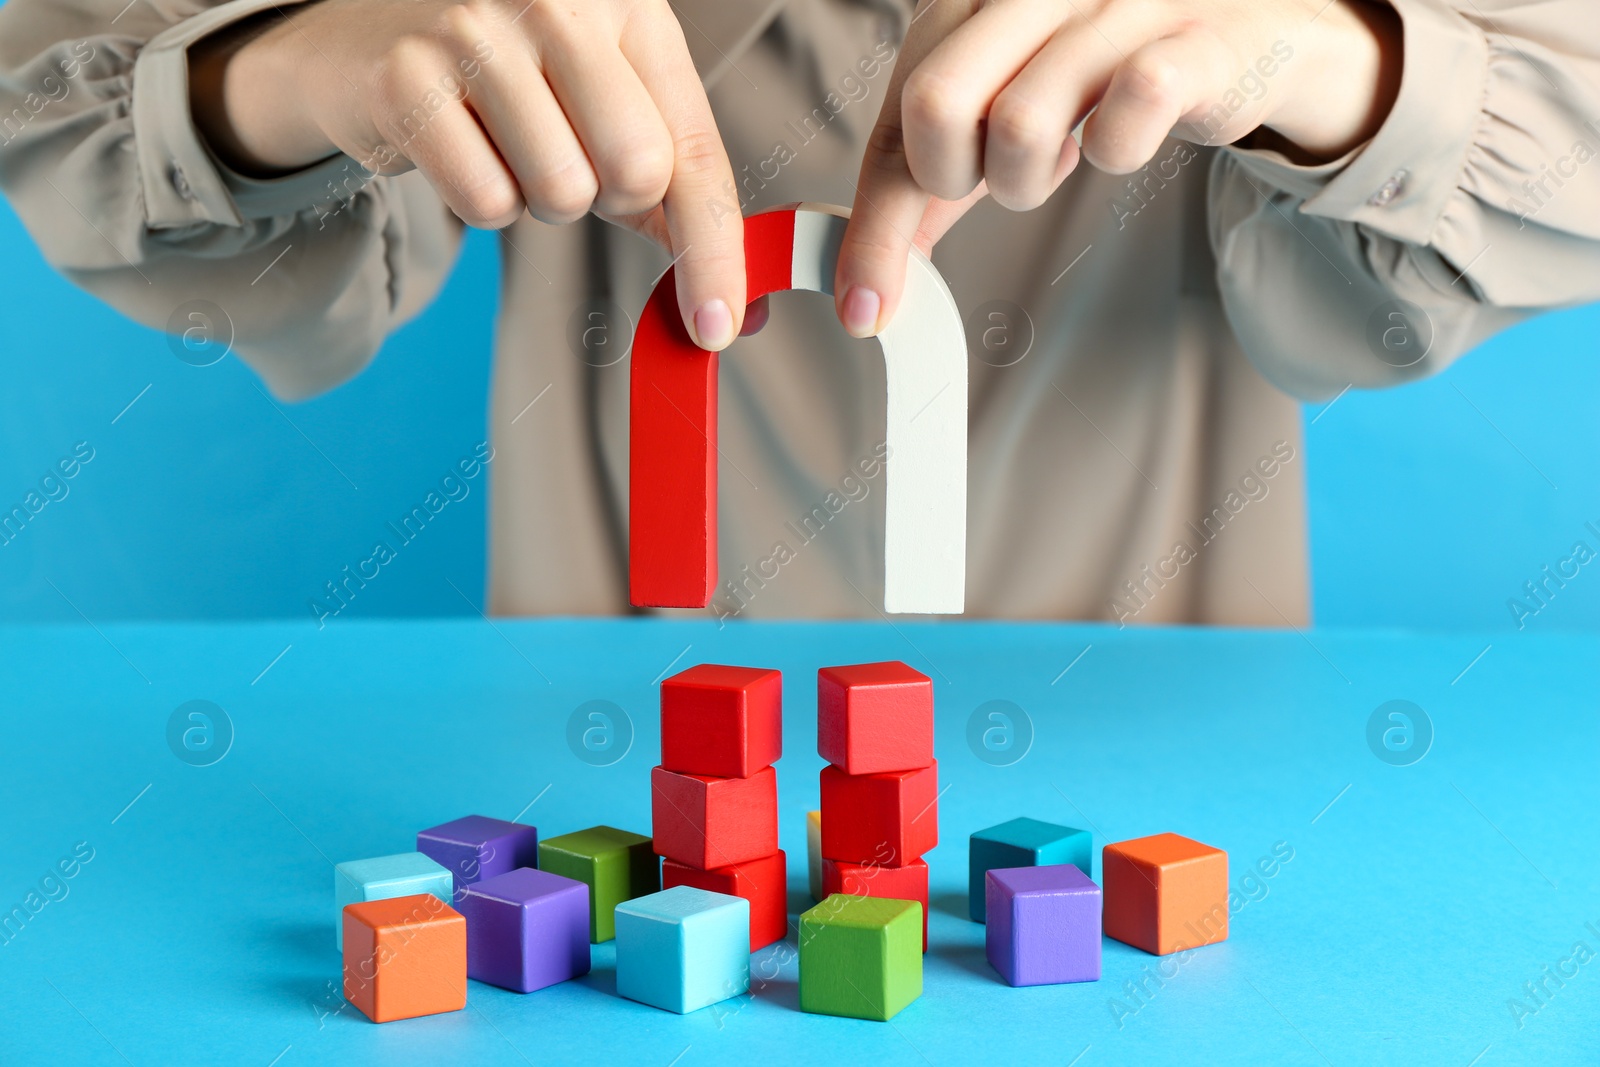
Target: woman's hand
986	95
558	108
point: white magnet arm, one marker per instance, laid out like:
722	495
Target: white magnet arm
925	359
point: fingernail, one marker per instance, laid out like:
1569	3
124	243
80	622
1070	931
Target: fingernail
861	311
713	326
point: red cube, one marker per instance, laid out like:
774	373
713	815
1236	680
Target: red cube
875	717
726	722
709	822
761	882
886	819
872	880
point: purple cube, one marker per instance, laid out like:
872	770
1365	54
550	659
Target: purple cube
478	847
526	929
1044	924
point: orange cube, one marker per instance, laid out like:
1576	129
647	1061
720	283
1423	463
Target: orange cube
1165	893
405	957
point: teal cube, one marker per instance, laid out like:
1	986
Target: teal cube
683	949
1023	843
384	877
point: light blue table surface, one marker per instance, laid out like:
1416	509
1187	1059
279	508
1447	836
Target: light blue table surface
1419	902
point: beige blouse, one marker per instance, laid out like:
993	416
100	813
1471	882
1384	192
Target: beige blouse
1135	453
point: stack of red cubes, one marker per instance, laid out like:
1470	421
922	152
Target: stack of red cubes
880	794
714	798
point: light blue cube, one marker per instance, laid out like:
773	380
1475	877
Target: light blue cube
383	877
1023	843
683	949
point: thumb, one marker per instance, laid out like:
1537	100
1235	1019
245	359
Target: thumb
892	212
884	220
884	225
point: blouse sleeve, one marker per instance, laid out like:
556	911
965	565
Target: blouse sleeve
305	274
1476	204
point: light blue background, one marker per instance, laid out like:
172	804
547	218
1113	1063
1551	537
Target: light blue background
1431	505
1419	902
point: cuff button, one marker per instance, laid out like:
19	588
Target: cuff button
1389	190
180	183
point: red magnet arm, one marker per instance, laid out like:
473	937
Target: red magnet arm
672	446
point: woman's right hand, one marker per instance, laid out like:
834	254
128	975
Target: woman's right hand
559	108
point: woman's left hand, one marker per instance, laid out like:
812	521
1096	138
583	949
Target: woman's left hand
985	97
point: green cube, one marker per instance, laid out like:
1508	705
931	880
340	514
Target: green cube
860	957
614	864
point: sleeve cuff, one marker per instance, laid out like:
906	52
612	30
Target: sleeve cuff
182	182
1399	182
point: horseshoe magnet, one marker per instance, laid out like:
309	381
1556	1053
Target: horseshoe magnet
672	450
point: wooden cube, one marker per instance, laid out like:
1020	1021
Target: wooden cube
760	881
1165	893
405	957
616	866
382	877
1044	924
814	856
875	717
1022	843
526	929
725	722
871	880
476	847
887	819
714	822
860	957
683	948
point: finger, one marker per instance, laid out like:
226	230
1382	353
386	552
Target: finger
755	316
1160	84
943	214
948	94
456	155
702	216
519	110
887	212
889	204
1028	147
651	225
619	125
